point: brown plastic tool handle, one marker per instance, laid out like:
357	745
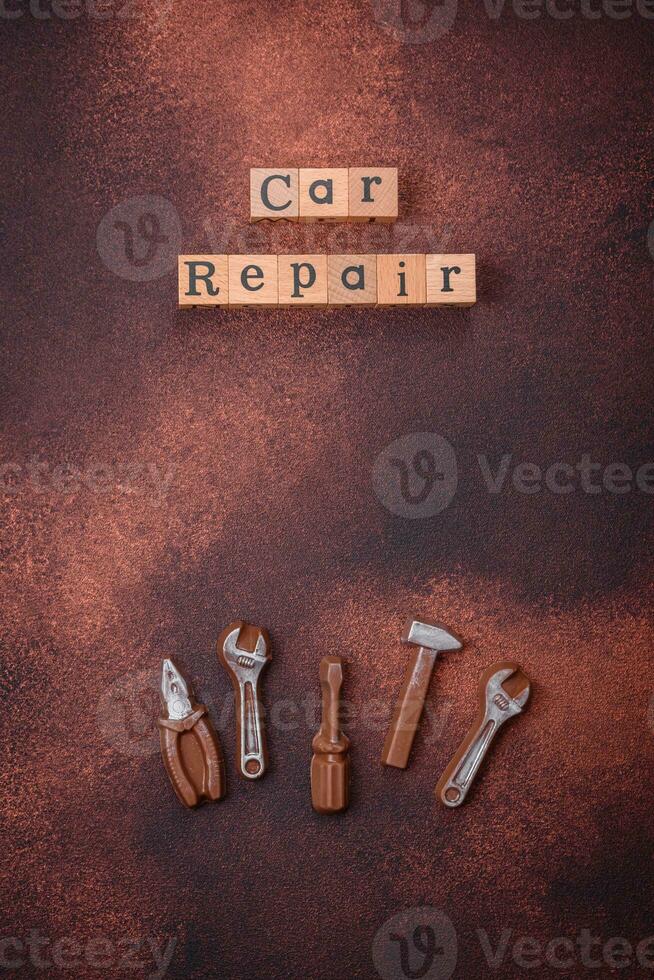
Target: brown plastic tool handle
330	765
408	709
193	758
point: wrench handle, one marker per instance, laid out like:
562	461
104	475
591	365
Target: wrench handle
452	788
408	708
250	732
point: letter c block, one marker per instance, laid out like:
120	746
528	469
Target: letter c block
274	194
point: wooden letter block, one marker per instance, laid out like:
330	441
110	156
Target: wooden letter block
352	280
451	280
373	194
323	194
302	280
202	280
273	194
253	280
400	280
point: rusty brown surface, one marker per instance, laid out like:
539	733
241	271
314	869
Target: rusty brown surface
528	142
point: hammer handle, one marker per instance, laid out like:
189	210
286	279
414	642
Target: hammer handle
408	708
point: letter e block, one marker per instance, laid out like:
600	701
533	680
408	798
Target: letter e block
273	194
373	194
352	280
202	280
302	280
401	280
253	280
323	194
451	280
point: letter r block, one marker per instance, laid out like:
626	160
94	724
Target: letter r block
451	280
274	194
202	280
373	194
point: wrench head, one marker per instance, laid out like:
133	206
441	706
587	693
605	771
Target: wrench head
243	648
509	699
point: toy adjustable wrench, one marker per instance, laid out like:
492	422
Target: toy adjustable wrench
189	745
504	691
244	651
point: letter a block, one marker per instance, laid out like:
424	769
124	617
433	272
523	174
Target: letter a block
352	280
451	280
400	280
302	280
202	280
273	194
323	194
253	280
373	194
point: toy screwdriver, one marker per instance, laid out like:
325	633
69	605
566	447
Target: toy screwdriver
189	745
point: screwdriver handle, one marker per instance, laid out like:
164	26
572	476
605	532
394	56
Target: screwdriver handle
408	708
330	765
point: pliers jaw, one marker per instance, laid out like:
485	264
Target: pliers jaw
175	696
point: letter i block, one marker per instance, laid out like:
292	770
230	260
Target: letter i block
202	280
373	194
324	194
352	280
302	280
274	194
253	280
451	280
400	280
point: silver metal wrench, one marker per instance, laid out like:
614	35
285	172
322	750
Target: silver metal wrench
244	666
496	705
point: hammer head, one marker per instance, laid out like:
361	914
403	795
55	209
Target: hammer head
433	636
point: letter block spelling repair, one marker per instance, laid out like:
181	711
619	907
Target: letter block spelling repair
326	280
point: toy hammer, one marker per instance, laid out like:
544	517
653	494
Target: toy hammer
429	638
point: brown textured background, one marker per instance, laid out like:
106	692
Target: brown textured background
527	142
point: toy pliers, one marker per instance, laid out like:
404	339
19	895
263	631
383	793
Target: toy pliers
189	745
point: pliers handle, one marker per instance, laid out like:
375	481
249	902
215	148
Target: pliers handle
193	758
